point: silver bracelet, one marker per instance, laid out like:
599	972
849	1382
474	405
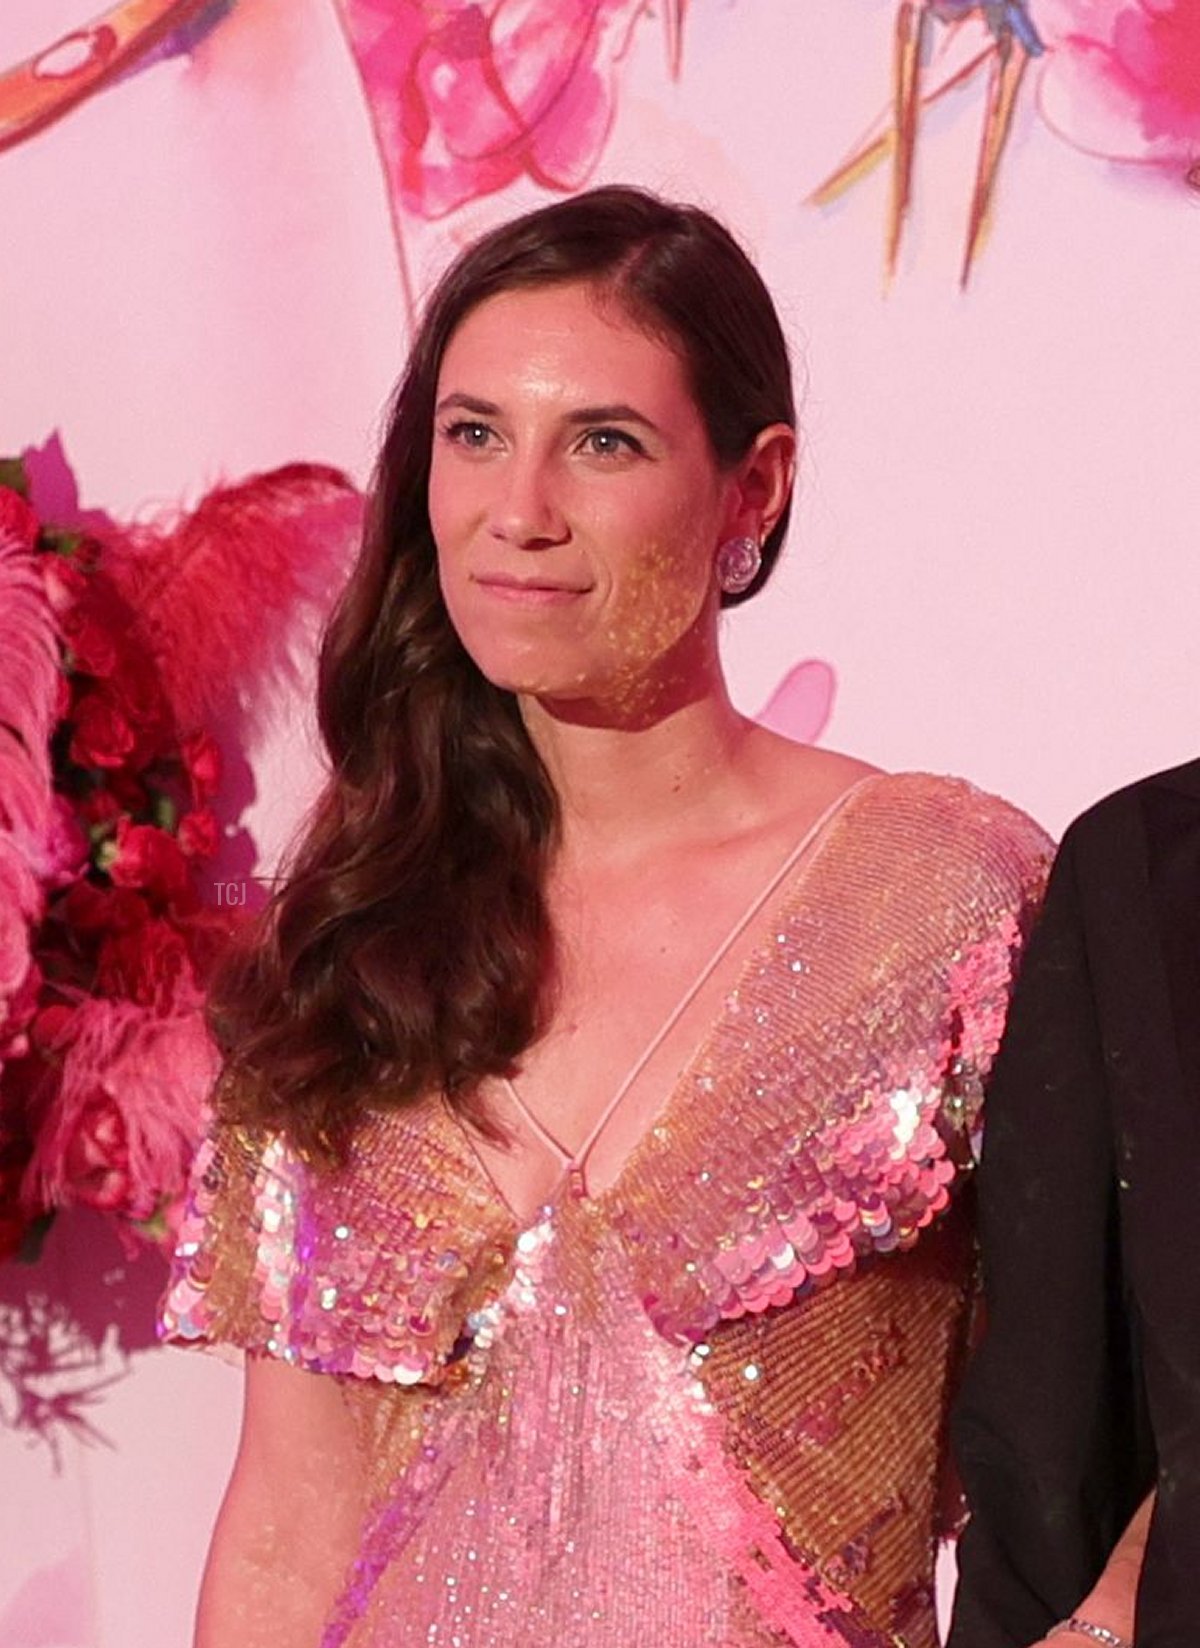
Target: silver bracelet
1085	1628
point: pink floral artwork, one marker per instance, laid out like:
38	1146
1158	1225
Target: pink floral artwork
467	97
50	1610
802	703
1123	79
124	39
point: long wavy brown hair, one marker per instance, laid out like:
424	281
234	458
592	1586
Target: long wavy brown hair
408	948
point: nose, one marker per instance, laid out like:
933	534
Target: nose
526	511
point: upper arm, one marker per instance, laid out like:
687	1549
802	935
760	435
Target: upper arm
289	1524
296	1426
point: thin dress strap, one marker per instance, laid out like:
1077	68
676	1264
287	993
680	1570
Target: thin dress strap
808	839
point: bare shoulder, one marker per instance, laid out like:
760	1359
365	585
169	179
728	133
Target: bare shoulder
802	779
907	823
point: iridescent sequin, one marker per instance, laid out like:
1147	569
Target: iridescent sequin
703	1405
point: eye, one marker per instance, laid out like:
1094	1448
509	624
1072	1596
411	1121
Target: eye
611	443
469	433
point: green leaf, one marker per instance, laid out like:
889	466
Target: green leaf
154	1229
61	541
164	812
13	475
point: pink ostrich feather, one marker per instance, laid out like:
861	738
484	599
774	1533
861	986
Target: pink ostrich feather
225	596
154	1072
21	905
29	674
29	663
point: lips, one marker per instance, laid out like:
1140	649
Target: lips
538	591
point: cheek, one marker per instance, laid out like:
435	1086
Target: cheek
445	504
658	593
664	556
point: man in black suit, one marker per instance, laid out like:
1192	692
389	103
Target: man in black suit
1085	1393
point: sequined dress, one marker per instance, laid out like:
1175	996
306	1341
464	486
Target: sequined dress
703	1405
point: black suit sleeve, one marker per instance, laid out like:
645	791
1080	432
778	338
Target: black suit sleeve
1160	1167
1046	1431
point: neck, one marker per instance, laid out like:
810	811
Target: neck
631	784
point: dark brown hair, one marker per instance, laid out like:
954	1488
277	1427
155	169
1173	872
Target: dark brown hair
408	949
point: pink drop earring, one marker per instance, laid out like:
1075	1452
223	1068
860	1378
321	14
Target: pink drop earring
738	564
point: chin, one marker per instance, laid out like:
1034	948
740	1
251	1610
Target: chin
528	671
543	683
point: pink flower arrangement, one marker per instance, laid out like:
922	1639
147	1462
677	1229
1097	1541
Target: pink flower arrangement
115	648
469	95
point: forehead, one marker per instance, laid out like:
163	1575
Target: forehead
562	342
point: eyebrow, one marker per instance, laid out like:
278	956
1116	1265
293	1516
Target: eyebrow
615	412
467	403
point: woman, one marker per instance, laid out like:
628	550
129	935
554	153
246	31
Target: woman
1085	1394
600	1041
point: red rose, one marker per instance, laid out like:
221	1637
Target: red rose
202	763
128	792
148	857
102	737
96	1160
135	688
18	523
149	965
99	807
198	835
65	584
87	552
89	910
92	647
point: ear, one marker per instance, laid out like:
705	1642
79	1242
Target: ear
762	483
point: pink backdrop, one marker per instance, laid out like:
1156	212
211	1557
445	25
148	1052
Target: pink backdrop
994	556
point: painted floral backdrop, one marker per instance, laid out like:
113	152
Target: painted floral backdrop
467	96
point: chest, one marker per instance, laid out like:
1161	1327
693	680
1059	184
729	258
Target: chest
642	981
804	1130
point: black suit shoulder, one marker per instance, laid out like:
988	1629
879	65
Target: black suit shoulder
1112	825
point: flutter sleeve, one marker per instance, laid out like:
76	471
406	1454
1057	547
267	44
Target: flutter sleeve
372	1267
233	1264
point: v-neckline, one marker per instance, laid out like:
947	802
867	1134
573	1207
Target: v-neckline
805	853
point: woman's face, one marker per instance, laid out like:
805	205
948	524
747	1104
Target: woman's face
574	497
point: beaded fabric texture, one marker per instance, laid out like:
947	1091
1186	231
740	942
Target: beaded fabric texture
704	1405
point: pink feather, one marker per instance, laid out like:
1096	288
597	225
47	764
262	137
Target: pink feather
29	669
20	910
226	597
146	1078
